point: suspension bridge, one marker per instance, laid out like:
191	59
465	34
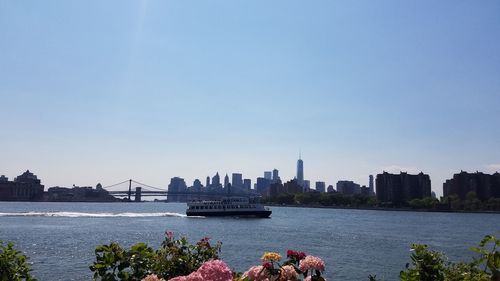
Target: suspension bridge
131	188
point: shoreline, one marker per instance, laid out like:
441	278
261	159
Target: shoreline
381	209
296	206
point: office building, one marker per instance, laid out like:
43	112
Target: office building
247	184
226	181
197	186
262	186
306	185
275	175
237	180
216	180
348	187
177	185
320	186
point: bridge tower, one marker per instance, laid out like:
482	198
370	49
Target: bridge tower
129	189
138	191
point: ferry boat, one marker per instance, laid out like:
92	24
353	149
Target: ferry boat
228	207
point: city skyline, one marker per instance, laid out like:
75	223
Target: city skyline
138	89
273	176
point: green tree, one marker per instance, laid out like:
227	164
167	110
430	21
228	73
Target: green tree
472	202
455	202
285	198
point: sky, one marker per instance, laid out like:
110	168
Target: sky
103	91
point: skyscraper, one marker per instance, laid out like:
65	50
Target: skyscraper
300	171
237	180
371	189
262	186
226	181
320	186
268	175
247	184
275	175
216	180
177	185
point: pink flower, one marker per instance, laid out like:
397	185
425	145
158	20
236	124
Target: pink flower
169	234
215	270
178	278
194	276
256	273
288	273
152	277
312	262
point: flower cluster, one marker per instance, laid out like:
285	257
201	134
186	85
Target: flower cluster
256	273
271	256
311	263
296	255
215	270
298	263
205	266
288	273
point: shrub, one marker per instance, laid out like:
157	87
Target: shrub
175	257
13	264
428	265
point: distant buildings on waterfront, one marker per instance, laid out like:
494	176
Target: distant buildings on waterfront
398	190
25	187
485	186
79	194
180	192
391	189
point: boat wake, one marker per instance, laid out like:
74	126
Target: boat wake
91	215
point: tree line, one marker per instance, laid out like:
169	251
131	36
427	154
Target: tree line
334	199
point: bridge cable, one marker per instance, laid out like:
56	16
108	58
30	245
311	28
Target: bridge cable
115	184
157	188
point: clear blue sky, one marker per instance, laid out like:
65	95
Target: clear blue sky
103	91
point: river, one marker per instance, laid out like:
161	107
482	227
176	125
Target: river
60	238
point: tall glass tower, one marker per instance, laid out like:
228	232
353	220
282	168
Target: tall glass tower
300	171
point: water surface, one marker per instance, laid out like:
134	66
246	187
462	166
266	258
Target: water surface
60	238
